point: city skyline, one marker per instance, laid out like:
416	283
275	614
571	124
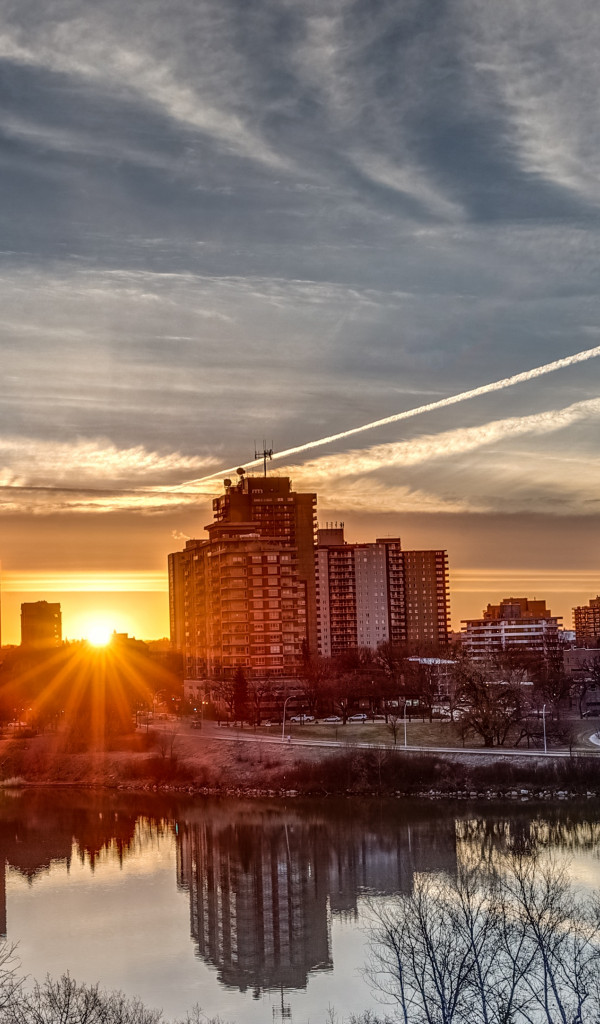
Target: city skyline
224	223
101	602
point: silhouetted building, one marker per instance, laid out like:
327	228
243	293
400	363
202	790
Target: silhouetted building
41	624
586	619
368	594
176	564
515	622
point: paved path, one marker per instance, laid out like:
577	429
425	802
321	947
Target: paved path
213	732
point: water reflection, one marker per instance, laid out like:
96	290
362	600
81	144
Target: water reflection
265	880
263	885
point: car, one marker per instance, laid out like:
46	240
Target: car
302	718
361	717
331	720
591	713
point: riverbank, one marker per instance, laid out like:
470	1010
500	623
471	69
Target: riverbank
229	765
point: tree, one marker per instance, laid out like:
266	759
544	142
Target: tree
512	944
240	695
591	680
393	721
423	682
66	1002
316	673
491	708
258	691
552	685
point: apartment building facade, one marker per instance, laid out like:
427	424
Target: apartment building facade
515	622
373	593
586	619
241	596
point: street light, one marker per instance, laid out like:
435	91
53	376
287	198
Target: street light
544	725
405	705
283	723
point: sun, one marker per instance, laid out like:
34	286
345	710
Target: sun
98	634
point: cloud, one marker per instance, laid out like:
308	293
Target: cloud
410	181
541	66
375	497
102	48
29	463
230	220
444	445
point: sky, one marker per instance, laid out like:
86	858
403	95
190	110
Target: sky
225	222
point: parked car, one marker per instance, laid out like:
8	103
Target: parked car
361	717
302	718
331	720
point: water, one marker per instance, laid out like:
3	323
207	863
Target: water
256	910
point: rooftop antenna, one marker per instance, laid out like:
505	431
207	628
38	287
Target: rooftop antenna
267	453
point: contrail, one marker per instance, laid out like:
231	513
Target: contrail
485	389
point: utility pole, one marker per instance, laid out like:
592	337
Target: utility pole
267	453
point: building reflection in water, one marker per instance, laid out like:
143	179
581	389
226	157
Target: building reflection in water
265	880
263	886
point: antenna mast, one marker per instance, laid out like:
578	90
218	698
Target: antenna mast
267	453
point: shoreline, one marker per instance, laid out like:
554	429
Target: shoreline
253	770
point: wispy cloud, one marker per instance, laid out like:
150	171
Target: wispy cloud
83	582
444	445
28	462
542	69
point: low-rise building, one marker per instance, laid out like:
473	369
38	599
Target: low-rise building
515	622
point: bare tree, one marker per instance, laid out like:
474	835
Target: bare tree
393	725
10	985
66	1002
513	944
557	934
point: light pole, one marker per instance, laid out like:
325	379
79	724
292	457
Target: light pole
405	743
283	723
544	725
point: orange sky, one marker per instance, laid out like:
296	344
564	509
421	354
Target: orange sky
112	568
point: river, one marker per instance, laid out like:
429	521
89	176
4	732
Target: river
256	910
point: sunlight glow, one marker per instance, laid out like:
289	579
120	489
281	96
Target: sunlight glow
98	634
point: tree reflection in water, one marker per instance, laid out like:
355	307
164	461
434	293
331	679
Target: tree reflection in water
509	942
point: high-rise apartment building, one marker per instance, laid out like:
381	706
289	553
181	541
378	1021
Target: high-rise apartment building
41	624
241	597
515	622
281	514
586	619
426	597
373	593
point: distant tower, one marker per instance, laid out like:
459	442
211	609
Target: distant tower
41	624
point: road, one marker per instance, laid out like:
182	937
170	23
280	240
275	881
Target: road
213	732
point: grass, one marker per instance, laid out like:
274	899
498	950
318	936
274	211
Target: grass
439	733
